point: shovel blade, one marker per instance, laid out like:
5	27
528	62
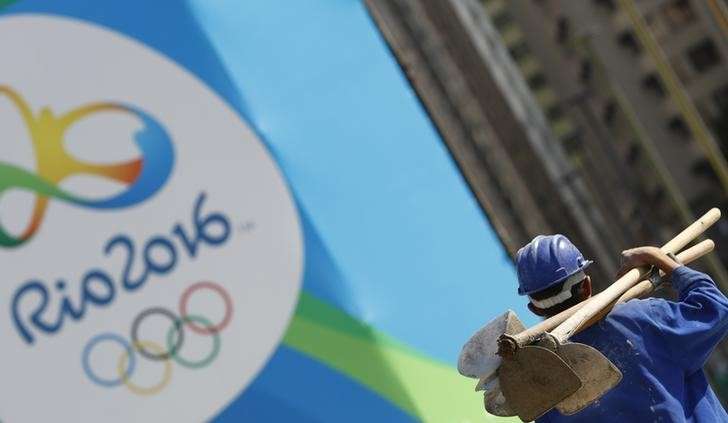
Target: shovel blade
597	374
478	358
495	403
535	380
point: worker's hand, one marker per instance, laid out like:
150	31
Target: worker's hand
646	256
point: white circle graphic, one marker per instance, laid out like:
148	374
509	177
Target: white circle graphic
222	227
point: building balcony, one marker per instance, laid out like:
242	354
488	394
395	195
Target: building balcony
546	97
563	128
512	35
529	66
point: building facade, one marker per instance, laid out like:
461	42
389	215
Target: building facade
603	120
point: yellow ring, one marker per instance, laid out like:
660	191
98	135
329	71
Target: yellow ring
140	390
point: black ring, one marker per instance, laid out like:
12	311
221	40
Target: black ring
135	328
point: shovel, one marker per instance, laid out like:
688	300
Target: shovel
535	378
479	357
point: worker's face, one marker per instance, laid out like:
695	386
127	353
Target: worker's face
587	288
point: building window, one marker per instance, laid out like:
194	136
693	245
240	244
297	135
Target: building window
702	168
609	113
519	51
719	122
677	125
634	153
704	55
585	71
652	82
502	20
553	113
572	144
537	81
563	29
627	40
656	196
678	13
608	4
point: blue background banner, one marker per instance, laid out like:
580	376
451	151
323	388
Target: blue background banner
400	260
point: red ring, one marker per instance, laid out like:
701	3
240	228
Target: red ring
228	307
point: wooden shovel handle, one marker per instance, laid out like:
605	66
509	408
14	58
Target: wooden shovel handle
631	278
640	290
645	287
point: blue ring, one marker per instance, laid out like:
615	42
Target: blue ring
87	352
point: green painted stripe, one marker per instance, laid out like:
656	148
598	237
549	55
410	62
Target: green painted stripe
316	310
355	357
426	389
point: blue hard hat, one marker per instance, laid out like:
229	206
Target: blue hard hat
547	261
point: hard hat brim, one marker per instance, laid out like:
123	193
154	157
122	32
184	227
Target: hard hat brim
583	266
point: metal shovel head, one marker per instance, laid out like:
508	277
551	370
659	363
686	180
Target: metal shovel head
478	358
495	403
597	374
535	380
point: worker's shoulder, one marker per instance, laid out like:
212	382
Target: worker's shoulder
636	310
632	306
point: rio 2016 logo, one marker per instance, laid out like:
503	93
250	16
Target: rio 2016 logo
143	177
137	182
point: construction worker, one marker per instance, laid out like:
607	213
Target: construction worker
659	345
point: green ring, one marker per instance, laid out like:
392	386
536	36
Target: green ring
205	361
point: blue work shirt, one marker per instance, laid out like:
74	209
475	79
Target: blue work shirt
660	346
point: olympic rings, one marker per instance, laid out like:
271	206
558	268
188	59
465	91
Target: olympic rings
177	324
205	361
184	299
87	353
139	390
153	351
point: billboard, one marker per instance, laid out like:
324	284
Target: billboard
229	211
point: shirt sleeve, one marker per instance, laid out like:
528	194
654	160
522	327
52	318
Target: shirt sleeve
692	326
